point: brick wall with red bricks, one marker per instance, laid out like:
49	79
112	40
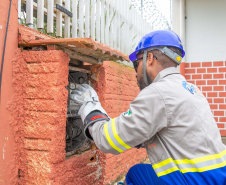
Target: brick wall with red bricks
210	77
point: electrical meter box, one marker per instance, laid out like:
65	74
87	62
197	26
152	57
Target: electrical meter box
76	142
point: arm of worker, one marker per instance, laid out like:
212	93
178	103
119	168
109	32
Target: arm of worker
146	116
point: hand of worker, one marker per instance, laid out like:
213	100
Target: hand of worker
91	109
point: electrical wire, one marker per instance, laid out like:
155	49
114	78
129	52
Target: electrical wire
72	80
3	54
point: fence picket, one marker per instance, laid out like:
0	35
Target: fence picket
102	21
29	12
98	14
87	17
50	7
107	23
74	18
59	21
19	9
67	20
81	18
92	19
40	14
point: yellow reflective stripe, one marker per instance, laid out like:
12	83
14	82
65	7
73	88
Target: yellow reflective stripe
163	163
116	135
109	139
167	171
200	159
203	169
191	161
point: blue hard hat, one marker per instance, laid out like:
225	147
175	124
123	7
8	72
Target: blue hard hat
156	39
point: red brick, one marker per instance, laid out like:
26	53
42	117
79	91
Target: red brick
207	64
187	65
218	76
218	88
223	132
196	76
196	64
201	82
207	76
218	113
211	70
222	94
216	119
191	81
202	70
220	125
211	82
222	82
204	94
214	106
222	119
218	63
222	69
222	106
207	88
189	71
218	100
212	94
188	77
210	100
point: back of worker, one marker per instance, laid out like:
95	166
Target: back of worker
170	118
189	149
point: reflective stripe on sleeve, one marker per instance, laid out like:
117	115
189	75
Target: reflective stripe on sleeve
116	135
193	165
113	138
109	139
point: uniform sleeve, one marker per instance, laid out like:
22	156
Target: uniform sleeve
146	116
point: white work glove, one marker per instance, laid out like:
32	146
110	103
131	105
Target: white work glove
87	97
91	110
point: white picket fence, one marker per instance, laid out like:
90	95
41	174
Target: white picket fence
112	22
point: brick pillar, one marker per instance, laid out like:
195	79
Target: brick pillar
39	116
117	88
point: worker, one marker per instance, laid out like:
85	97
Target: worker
170	117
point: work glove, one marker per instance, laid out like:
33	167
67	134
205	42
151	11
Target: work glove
91	110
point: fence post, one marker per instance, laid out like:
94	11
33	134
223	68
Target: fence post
40	14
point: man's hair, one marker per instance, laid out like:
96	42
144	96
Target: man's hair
164	60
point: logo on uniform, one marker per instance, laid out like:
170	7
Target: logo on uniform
191	88
127	113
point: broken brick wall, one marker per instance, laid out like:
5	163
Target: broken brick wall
38	119
210	77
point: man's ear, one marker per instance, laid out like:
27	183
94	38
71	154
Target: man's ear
150	59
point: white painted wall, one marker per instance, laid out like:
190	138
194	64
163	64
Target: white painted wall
178	20
205	30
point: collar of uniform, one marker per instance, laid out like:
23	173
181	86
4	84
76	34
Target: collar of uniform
165	72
